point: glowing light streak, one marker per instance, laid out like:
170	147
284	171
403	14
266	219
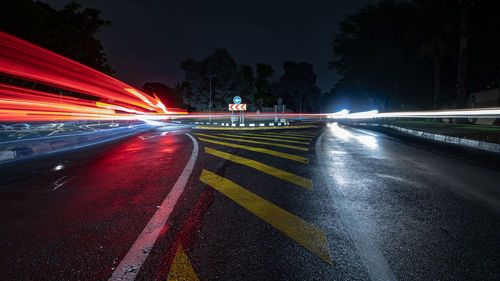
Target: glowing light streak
361	115
343	112
493	112
25	61
117	107
13	104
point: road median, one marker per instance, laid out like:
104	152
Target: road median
253	125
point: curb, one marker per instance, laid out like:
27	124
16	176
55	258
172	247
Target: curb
482	145
15	150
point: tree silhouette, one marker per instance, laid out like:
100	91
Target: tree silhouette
69	32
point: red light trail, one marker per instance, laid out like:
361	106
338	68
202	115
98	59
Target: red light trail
25	61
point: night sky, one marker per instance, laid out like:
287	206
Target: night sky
147	40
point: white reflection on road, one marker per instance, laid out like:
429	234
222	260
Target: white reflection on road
368	140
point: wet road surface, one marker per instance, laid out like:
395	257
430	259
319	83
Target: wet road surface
332	203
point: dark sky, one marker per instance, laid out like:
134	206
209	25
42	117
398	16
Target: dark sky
147	40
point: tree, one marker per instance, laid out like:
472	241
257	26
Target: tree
465	6
484	46
437	30
69	32
185	91
456	40
263	95
375	52
245	85
297	86
215	78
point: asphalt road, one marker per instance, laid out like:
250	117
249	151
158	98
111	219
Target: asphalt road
332	203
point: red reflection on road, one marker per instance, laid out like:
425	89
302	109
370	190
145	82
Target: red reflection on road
82	229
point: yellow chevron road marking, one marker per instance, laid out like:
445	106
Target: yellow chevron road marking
261	150
261	138
298	180
294	134
181	269
277	136
307	235
257	142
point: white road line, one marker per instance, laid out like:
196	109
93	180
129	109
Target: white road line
374	261
147	137
366	132
58	184
133	260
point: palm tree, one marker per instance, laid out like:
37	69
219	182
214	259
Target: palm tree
465	6
437	27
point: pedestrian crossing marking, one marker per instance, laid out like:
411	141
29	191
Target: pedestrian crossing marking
181	269
257	142
307	235
261	150
295	179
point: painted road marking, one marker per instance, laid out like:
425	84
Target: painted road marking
58	183
298	180
374	261
307	235
261	150
148	137
133	260
298	134
278	136
181	269
301	132
255	128
258	142
261	138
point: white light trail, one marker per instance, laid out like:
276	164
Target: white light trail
493	112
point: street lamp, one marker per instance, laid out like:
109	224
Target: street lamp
210	102
300	104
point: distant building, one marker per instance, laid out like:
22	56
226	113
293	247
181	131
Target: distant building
482	99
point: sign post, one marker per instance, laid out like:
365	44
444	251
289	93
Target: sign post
237	105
